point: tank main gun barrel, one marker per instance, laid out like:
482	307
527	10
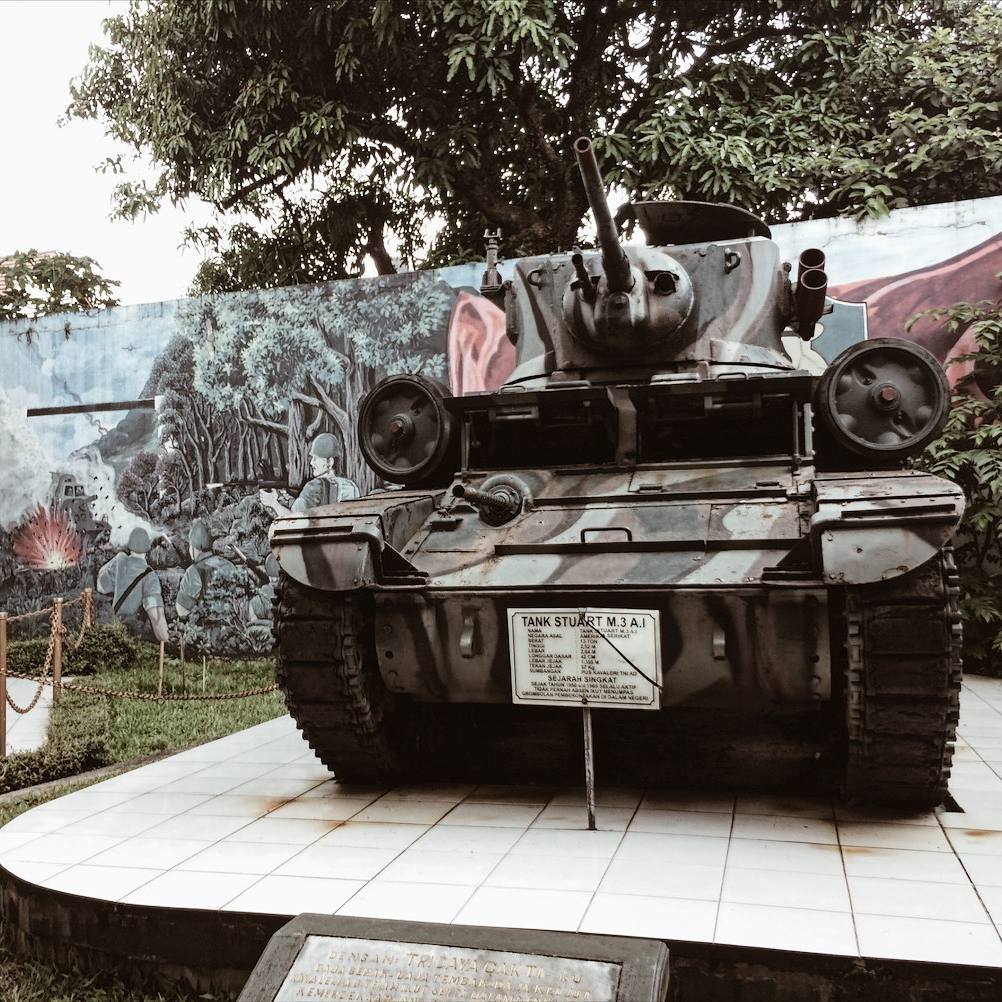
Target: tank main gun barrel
618	276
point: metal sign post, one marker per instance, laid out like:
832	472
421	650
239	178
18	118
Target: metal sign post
588	658
589	762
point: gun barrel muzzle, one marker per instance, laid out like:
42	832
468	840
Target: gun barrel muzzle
812	257
812	287
615	264
498	506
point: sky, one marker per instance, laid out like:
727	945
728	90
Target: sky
51	197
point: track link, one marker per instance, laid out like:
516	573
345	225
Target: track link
326	668
903	675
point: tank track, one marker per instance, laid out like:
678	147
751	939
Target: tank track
902	685
326	668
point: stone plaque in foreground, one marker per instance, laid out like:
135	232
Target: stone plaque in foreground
323	958
334	967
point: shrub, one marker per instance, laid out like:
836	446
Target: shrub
969	452
78	741
103	647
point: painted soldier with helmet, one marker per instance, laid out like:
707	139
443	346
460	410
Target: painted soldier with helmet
326	486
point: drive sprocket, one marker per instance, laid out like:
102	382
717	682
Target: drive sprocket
326	667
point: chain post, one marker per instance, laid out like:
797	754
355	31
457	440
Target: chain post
160	683
57	649
88	609
3	684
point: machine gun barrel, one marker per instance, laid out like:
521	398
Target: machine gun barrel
618	275
497	506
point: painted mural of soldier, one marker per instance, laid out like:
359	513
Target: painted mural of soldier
194	597
326	487
132	583
260	609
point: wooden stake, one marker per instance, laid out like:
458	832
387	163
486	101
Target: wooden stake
3	684
203	672
88	609
57	649
184	683
160	684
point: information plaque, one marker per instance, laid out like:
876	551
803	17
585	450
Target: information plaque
335	967
327	958
593	657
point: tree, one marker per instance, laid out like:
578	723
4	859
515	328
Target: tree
139	484
340	127
34	284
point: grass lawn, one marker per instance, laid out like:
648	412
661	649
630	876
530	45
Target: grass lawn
87	732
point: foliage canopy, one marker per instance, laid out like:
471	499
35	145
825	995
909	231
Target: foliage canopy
34	284
341	127
969	452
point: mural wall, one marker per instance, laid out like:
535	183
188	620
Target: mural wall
145	450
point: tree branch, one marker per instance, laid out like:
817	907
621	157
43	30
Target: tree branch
272	426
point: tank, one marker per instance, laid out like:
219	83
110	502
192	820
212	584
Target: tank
726	558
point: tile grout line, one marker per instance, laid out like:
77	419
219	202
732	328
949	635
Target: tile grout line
504	856
848	886
302	849
428	828
605	871
972	883
723	875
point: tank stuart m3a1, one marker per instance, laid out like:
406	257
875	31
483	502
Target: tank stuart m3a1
655	511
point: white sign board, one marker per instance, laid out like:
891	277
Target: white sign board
598	657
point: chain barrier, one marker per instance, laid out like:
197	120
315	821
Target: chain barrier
30	615
41	681
86	617
152	697
86	598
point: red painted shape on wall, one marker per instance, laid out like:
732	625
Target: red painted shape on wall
47	541
480	355
892	299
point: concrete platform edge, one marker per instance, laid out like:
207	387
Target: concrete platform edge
215	951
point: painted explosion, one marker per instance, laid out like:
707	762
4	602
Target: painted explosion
47	541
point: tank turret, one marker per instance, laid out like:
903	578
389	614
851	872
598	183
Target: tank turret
618	304
708	294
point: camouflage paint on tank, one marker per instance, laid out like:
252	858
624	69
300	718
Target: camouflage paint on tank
741	304
705	546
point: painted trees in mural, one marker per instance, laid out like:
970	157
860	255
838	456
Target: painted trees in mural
138	486
296	362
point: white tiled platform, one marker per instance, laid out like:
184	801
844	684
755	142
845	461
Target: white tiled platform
27	731
253	823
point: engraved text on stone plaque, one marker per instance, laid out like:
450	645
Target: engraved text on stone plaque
339	969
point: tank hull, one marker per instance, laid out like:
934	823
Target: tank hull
749	569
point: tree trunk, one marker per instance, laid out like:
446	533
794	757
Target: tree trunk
299	448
